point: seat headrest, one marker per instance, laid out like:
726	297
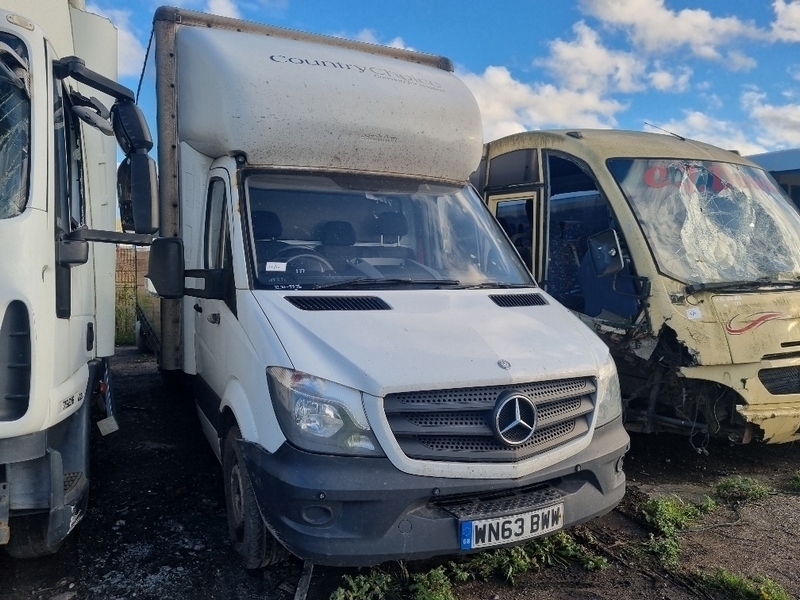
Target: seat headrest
392	224
337	233
266	225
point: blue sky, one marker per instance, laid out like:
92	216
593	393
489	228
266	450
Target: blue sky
723	71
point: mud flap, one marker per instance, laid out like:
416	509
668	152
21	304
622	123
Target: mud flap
106	402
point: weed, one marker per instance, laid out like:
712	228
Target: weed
668	515
740	489
433	585
736	587
377	585
794	484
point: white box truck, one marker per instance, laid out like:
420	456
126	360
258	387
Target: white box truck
57	194
683	256
376	370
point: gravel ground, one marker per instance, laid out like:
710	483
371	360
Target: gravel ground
156	526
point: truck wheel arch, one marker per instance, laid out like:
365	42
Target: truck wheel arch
235	410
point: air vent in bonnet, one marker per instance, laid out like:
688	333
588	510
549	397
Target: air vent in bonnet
338	303
507	300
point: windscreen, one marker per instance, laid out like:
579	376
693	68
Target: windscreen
15	125
712	222
317	231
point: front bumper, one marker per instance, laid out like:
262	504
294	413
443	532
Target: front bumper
348	511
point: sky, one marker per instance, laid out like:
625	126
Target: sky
725	72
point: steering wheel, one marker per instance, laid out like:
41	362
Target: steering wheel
304	253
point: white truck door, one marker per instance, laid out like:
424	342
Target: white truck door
214	317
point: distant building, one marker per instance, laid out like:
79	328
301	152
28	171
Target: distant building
784	166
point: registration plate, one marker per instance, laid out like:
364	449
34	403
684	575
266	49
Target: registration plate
505	530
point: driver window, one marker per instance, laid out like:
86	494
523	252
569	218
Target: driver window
217	247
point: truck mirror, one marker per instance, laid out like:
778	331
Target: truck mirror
136	190
166	268
606	253
130	128
72	252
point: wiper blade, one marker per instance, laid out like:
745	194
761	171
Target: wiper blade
388	282
741	285
496	285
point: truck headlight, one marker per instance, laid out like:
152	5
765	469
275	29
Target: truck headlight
609	400
319	415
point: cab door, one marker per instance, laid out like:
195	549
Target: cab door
214	316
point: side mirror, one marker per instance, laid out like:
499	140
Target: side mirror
72	252
606	253
166	269
137	185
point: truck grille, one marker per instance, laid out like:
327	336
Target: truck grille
455	424
781	380
15	362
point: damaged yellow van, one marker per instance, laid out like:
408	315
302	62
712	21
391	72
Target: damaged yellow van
684	257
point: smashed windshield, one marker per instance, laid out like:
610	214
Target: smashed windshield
342	232
15	121
712	222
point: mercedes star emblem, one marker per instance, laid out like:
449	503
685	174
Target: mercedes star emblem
514	418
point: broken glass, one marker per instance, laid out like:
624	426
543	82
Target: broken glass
712	222
15	117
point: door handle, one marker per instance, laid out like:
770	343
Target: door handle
213	318
198	308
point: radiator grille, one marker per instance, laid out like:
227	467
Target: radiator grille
455	425
781	380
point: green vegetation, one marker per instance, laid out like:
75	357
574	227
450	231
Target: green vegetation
737	587
125	315
668	515
739	489
794	484
437	584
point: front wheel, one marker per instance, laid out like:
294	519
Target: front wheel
256	546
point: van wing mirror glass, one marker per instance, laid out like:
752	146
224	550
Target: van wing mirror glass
606	253
137	187
166	267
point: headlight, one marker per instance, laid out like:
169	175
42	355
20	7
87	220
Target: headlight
319	415
609	401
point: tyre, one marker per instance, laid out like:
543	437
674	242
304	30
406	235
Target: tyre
141	338
29	537
256	546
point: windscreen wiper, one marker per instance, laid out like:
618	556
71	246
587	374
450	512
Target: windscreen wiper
742	285
496	285
388	282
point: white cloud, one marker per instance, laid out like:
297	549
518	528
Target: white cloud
130	51
369	36
223	8
657	30
787	20
779	126
794	71
585	64
670	81
509	106
725	134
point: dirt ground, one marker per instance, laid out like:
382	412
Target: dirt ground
156	525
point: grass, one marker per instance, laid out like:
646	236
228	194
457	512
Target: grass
737	587
125	315
668	515
739	489
794	484
438	584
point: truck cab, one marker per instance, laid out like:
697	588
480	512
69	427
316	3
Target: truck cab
57	197
684	257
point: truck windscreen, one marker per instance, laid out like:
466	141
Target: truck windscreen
328	231
15	125
712	222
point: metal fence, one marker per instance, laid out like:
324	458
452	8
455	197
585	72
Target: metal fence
125	294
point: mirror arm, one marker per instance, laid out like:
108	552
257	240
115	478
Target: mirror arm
72	66
110	237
